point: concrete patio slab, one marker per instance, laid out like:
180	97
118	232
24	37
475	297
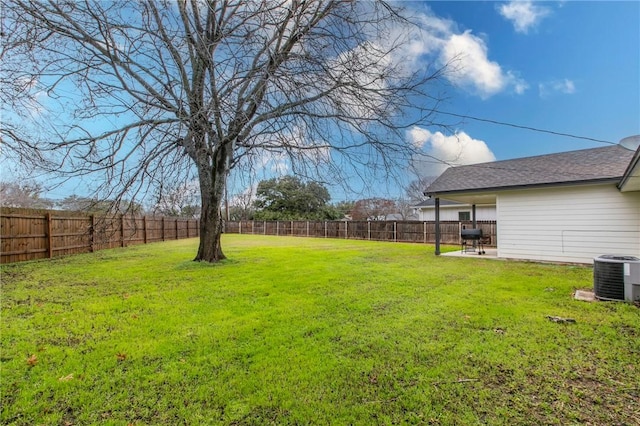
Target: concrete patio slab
489	253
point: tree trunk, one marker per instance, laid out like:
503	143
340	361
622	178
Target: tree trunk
212	185
210	249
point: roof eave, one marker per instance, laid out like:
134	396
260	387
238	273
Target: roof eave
633	166
614	180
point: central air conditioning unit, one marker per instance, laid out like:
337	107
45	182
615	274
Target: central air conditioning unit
616	277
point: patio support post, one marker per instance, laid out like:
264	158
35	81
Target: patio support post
474	222
437	226
473	216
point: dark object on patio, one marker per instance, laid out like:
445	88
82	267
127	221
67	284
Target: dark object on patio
471	240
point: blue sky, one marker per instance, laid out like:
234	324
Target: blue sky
566	67
570	67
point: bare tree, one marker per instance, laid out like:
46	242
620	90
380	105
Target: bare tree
150	91
182	200
23	195
405	209
75	203
373	209
18	104
240	205
414	191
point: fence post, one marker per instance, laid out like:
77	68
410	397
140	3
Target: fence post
92	234
264	223
176	228
395	232
325	229
369	230
424	226
122	230
346	229
49	236
144	227
277	227
240	227
437	227
307	229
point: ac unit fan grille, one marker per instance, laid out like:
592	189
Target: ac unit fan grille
608	280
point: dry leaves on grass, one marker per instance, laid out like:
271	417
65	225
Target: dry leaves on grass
32	360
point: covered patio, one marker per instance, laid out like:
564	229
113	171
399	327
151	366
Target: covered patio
472	199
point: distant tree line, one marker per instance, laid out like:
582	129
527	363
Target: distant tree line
290	198
29	195
284	198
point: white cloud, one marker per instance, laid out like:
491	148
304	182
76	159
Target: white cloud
466	54
362	103
418	137
564	86
274	162
422	41
291	145
441	151
310	151
524	15
473	69
519	85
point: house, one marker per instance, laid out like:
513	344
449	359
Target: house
565	207
401	217
453	211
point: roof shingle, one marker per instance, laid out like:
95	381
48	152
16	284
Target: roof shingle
586	165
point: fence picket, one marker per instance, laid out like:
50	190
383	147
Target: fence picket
396	231
29	234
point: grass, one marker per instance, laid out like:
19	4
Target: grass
310	331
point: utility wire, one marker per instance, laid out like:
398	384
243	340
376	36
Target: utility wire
501	123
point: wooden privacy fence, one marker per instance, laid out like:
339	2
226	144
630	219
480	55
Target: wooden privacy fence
397	231
34	234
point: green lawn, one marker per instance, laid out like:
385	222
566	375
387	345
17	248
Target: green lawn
311	331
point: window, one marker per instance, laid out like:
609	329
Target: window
464	216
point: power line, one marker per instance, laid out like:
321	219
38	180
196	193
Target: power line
501	123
